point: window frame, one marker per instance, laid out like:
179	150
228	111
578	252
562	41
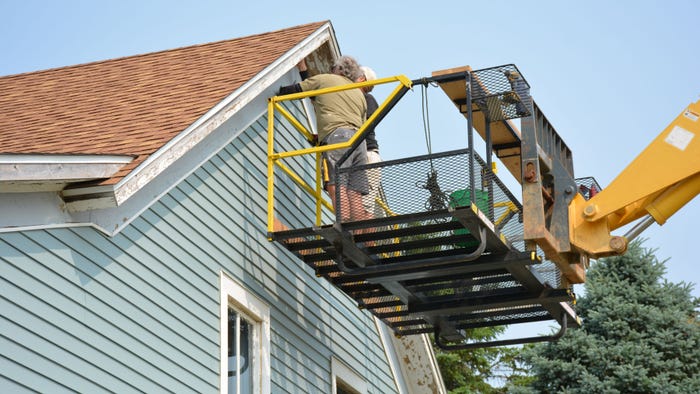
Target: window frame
346	375
257	312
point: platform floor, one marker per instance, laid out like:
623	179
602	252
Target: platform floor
428	273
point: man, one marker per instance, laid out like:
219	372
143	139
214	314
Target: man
338	116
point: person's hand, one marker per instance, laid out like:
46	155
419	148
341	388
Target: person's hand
302	65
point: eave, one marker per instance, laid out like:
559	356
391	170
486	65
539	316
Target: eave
46	172
71	199
258	86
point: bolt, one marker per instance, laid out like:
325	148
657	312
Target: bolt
569	190
530	173
590	210
618	244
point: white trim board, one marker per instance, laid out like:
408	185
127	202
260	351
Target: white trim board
111	208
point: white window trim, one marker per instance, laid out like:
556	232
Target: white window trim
348	376
235	295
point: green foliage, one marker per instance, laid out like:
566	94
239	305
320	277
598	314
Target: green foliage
640	334
471	371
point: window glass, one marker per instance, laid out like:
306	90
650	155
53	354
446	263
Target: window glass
239	354
244	334
343	388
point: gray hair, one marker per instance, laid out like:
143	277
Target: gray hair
348	67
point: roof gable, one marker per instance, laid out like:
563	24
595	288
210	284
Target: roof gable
133	105
97	144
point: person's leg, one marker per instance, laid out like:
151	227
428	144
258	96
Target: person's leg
373	178
342	185
357	208
343	203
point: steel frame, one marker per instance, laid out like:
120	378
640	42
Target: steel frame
443	291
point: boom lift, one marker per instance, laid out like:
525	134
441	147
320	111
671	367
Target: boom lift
453	249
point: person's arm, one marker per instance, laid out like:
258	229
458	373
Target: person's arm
303	70
370	136
289	89
296	88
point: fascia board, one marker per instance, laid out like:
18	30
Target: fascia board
59	168
114	207
112	220
160	160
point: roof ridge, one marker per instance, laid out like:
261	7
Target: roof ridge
96	62
134	105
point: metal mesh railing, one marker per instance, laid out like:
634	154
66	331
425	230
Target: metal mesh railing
419	192
501	92
436	182
412	260
433	183
588	187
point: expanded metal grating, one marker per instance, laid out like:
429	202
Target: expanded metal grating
588	187
439	248
412	265
501	92
433	183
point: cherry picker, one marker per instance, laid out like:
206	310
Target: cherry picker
455	249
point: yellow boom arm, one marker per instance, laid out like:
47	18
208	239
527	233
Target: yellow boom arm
661	180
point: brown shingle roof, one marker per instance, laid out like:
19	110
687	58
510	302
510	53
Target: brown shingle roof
131	105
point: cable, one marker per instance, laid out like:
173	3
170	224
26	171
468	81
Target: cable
426	120
438	199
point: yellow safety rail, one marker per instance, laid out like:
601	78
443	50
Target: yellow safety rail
509	208
275	158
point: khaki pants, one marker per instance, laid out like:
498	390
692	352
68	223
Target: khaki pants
373	176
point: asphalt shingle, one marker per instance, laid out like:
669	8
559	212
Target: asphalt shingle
131	105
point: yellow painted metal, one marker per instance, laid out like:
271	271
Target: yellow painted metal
592	238
384	207
274	159
662	179
403	80
294	121
316	194
315	149
319	188
351	141
510	207
270	166
388	212
674	199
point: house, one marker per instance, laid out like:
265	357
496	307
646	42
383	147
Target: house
133	245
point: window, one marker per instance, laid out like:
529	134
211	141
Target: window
240	331
345	380
245	340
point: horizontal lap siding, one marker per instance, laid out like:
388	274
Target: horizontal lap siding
139	311
93	317
308	331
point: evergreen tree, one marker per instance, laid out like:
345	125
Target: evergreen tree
640	334
474	371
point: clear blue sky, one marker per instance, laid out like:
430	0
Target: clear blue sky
609	75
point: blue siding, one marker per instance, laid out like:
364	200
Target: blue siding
139	311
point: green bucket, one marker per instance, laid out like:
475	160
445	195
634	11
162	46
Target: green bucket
462	198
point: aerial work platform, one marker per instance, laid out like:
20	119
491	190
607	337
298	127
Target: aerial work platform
444	252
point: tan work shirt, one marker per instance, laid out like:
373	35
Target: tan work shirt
333	110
